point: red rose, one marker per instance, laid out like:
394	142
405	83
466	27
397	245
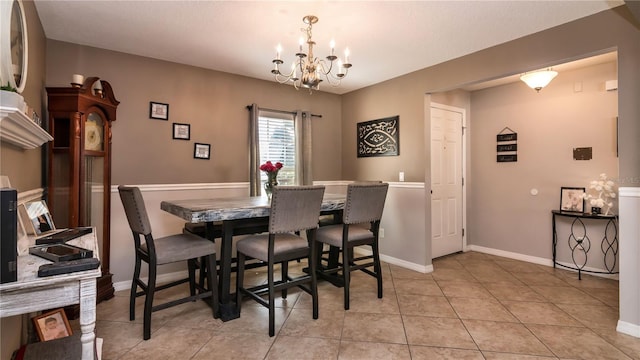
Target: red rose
269	167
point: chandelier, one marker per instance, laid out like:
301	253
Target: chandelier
538	79
308	71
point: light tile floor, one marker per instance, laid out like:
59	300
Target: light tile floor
473	306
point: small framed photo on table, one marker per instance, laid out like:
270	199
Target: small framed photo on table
572	199
181	131
202	151
36	217
158	111
52	325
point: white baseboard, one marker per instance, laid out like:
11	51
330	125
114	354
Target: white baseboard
628	328
535	260
425	269
510	255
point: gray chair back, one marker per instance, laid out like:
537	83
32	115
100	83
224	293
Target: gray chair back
295	208
134	208
365	202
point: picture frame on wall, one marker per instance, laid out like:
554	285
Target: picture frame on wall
380	137
158	111
572	199
181	131
202	151
52	325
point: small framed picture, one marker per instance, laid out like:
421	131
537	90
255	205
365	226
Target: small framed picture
158	111
181	131
36	217
202	151
572	199
52	325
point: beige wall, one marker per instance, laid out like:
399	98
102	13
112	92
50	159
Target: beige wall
549	125
214	103
13	159
404	95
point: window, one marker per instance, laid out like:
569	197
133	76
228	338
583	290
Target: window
277	140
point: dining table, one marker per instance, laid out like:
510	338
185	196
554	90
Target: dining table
237	216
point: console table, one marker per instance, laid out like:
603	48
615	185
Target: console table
579	241
32	293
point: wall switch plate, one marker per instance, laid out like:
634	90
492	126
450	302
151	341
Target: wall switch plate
401	176
381	233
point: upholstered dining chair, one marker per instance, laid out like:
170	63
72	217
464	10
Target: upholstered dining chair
293	209
161	251
364	206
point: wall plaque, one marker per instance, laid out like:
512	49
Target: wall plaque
379	137
507	147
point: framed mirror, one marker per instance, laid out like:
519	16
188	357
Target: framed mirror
13	45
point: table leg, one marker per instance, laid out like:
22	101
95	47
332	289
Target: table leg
227	306
88	317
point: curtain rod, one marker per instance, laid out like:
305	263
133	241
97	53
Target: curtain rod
281	111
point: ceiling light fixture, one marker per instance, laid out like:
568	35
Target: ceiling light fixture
538	79
307	71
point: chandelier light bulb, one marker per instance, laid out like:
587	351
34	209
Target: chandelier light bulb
313	70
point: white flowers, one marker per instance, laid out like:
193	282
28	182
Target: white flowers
605	193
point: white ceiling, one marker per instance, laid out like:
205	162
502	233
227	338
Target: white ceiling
386	38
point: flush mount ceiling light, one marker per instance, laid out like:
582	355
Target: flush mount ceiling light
538	79
308	71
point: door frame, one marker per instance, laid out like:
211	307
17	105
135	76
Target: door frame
464	170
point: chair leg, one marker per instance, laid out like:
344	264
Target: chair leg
346	273
284	269
313	267
203	271
191	266
239	281
272	326
134	289
148	301
377	268
212	283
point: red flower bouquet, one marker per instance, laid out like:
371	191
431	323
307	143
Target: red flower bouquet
269	167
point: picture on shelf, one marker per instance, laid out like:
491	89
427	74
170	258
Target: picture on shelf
572	199
52	325
37	219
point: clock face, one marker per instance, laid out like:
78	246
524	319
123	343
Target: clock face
93	133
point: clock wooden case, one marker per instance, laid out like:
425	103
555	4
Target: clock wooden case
79	163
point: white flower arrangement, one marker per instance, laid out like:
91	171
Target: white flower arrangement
605	193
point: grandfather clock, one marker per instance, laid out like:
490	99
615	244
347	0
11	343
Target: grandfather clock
79	164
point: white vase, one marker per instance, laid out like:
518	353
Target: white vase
10	99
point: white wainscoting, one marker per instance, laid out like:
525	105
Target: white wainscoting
403	222
629	204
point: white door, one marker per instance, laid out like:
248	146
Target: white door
446	180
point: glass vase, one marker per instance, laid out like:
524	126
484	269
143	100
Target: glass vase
272	180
